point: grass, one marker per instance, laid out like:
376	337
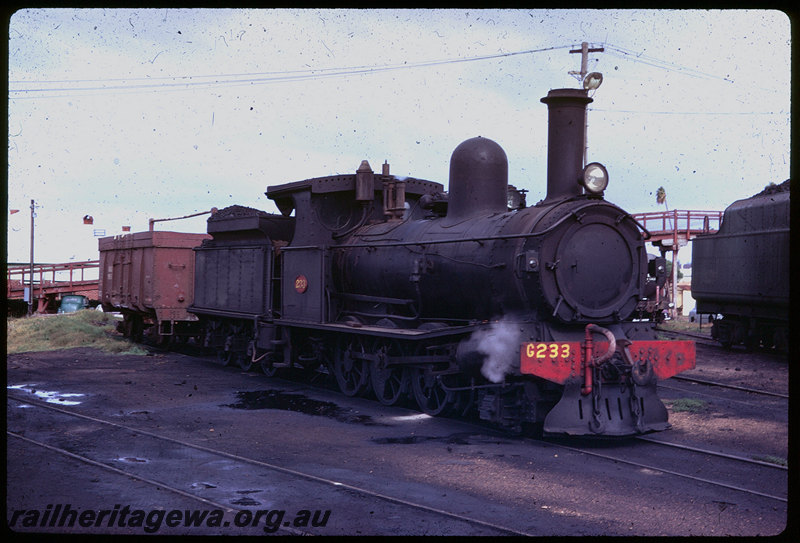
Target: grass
85	328
683	324
690	405
772	460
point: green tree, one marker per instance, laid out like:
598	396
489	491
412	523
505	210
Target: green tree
669	270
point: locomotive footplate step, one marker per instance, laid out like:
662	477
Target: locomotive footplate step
616	409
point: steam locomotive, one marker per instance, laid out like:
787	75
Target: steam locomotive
462	300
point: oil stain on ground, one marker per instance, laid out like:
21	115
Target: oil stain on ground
276	399
455	439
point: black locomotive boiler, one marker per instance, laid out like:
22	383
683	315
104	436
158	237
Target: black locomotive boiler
461	300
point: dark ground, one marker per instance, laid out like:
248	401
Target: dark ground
531	487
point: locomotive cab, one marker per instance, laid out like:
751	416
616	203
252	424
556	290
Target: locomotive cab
327	211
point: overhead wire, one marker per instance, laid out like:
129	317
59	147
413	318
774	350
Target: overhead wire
254	78
179	83
614	50
604	110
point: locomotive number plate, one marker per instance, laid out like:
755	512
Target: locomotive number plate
301	284
548	351
552	360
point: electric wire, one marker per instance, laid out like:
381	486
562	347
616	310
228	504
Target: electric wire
26	90
258	78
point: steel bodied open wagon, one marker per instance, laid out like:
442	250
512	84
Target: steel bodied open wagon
149	278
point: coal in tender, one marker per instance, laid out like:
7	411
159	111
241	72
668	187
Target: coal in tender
276	399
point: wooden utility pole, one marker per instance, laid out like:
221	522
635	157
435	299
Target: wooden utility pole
584	51
30	287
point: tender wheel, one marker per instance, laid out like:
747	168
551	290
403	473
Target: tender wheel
352	373
268	365
431	397
781	340
244	361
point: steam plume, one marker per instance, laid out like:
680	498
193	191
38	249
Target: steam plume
499	345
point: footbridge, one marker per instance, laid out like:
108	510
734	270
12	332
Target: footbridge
50	282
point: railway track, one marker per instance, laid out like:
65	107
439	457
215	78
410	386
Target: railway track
698	338
494	429
717	397
689	477
326	490
712	351
641	454
732	387
775	475
731	458
696	451
714	453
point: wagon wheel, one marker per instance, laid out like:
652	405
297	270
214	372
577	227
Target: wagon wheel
268	367
351	371
124	327
391	384
137	328
162	340
431	396
132	327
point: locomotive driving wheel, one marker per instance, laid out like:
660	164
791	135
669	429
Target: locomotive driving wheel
351	368
225	357
431	394
390	383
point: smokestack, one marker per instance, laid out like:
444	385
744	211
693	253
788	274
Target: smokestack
565	141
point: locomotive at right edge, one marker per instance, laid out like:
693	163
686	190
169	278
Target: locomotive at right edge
467	300
741	272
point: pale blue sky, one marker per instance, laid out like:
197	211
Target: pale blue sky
127	114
